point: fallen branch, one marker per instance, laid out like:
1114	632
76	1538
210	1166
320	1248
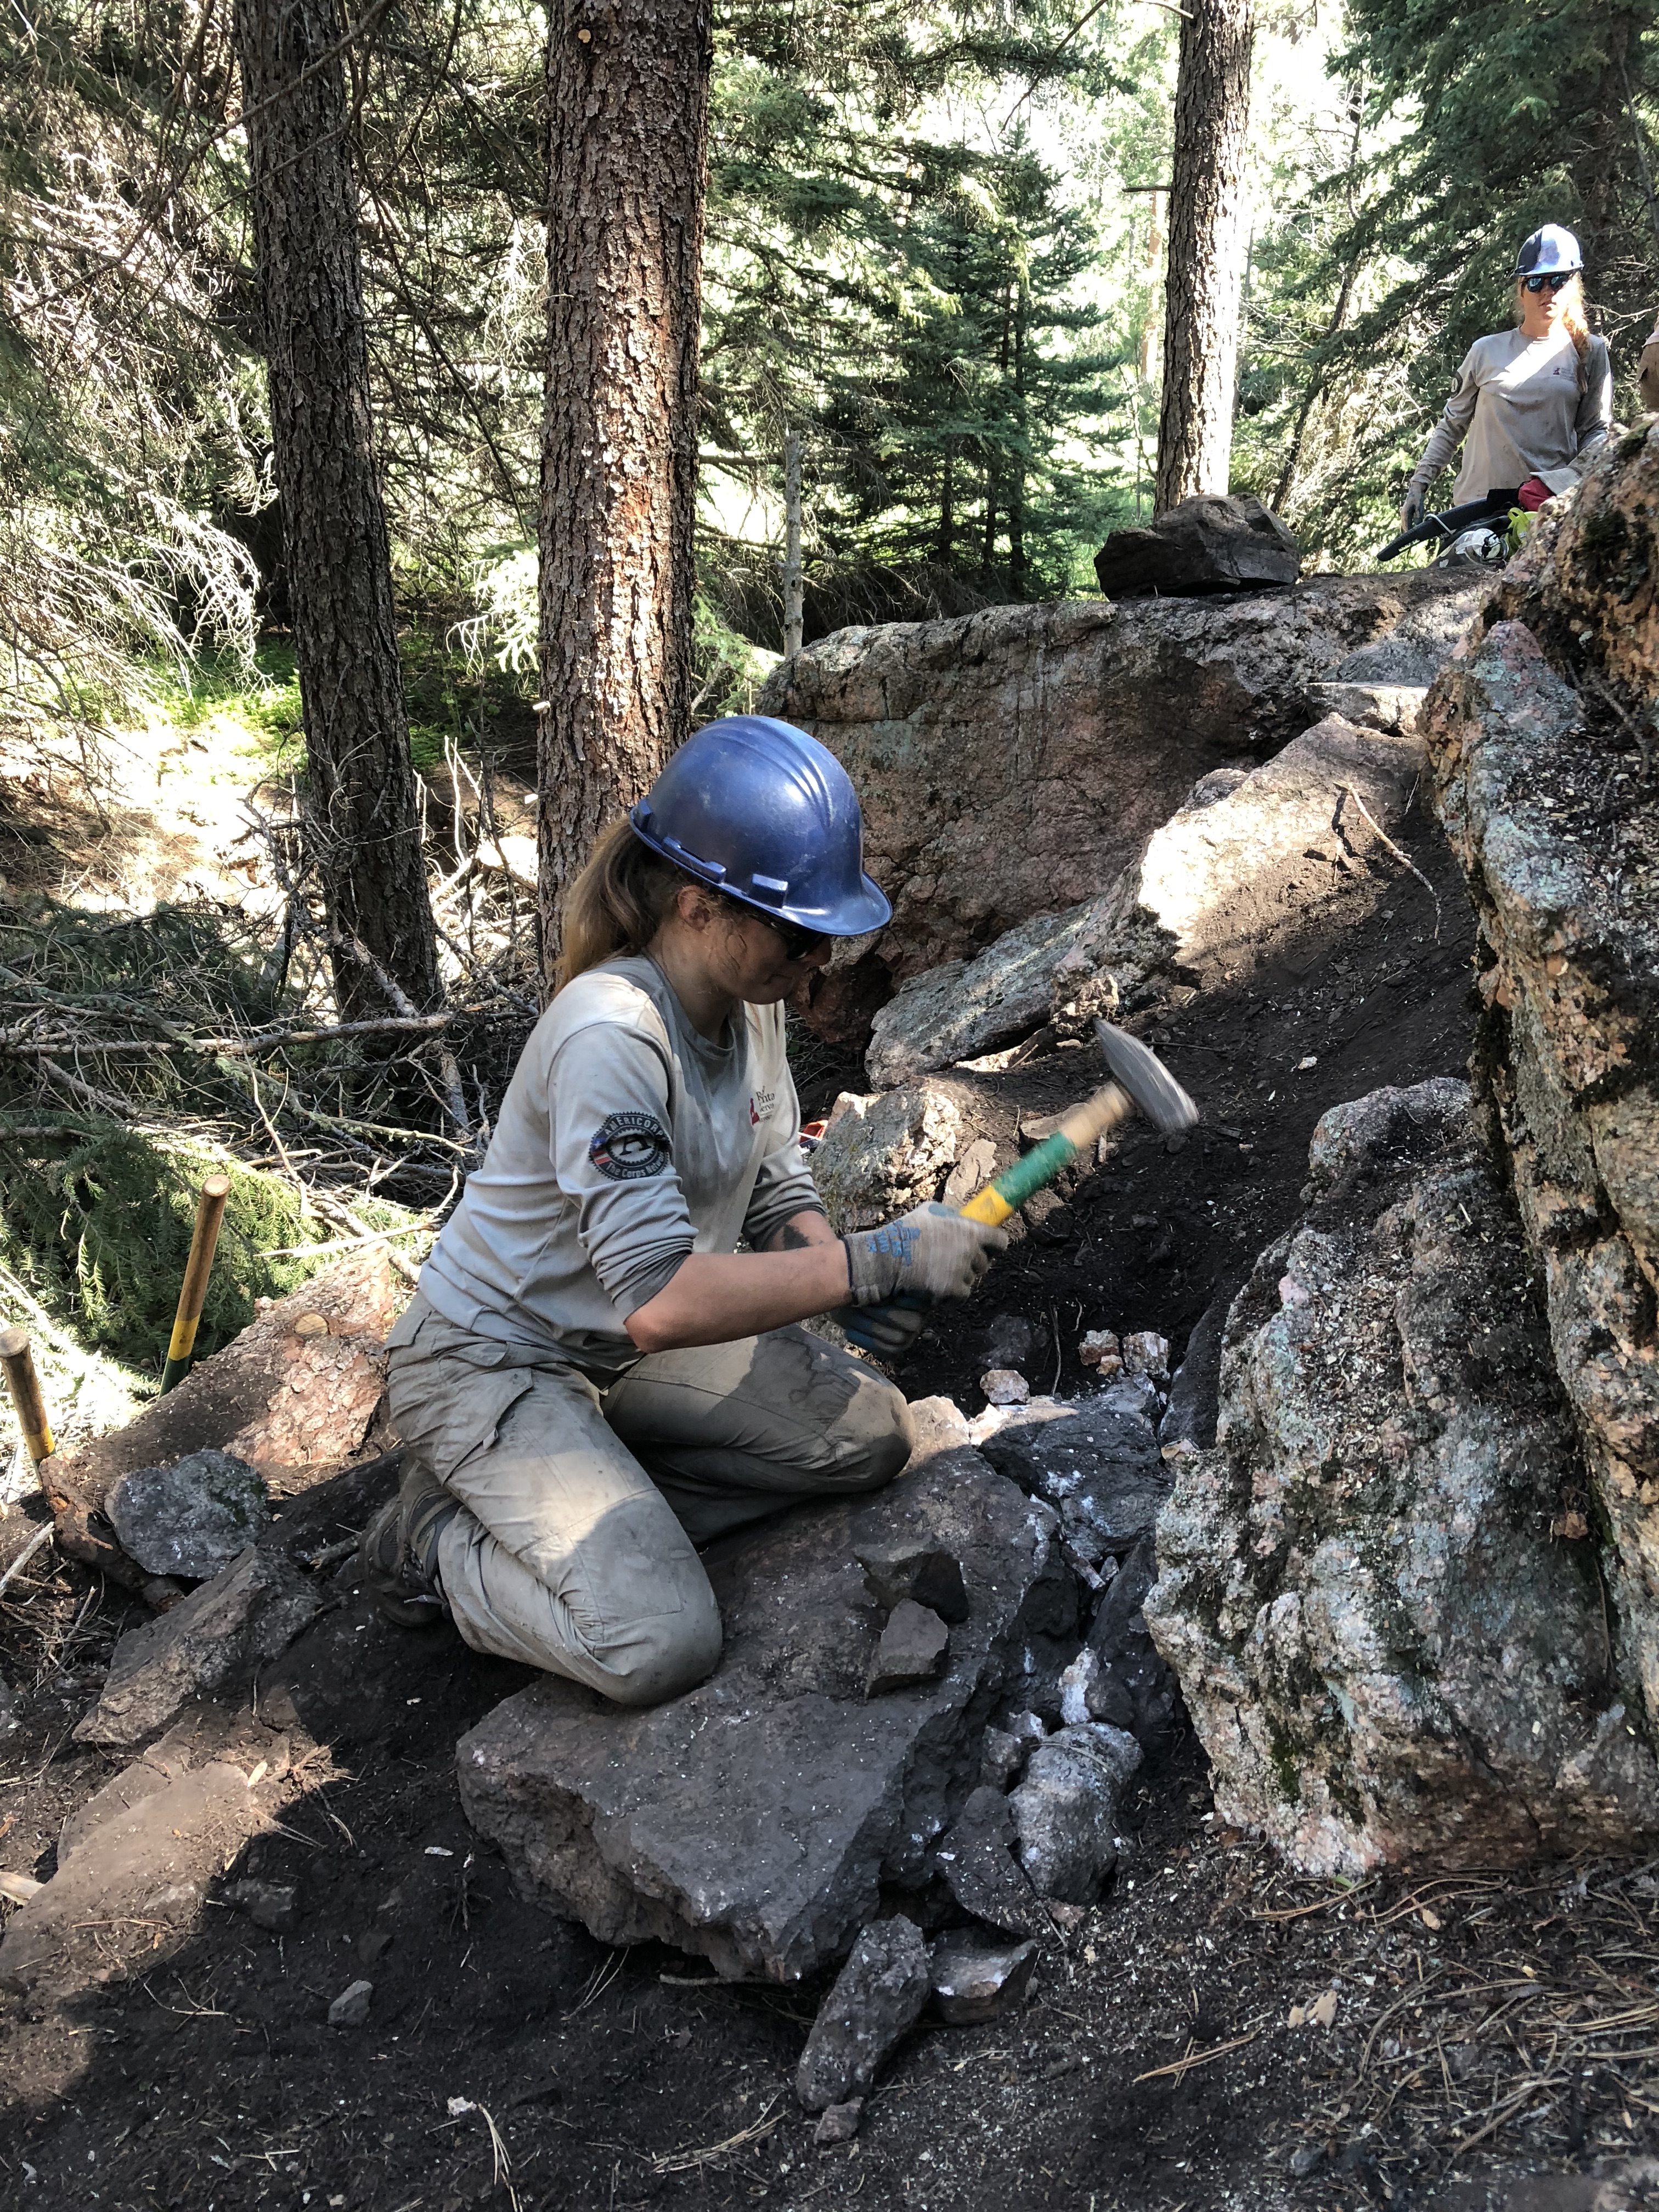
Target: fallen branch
270	1040
1182	2066
40	1537
1404	859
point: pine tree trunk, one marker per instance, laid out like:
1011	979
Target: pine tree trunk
1201	291
1016	474
362	817
628	107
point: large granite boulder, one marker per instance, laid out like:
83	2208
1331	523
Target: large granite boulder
1539	744
761	1818
1244	857
882	1155
1014	762
1206	544
1378	1589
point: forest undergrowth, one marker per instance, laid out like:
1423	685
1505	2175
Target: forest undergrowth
167	1008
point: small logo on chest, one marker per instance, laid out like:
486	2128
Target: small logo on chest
760	1103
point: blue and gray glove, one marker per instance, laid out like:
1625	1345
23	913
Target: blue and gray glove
898	1271
1411	512
888	1331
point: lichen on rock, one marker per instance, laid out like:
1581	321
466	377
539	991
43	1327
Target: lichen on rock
1386	1649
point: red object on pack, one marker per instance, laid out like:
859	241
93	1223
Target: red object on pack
1532	494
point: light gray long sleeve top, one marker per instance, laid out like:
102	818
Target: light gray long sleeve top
627	1140
1517	411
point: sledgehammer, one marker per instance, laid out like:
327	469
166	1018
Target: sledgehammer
1138	1079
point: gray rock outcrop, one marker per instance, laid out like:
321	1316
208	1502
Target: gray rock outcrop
1219	871
761	1818
1207	544
1545	796
1377	1589
1014	762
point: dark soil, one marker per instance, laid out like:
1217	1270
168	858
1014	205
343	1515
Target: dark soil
510	2060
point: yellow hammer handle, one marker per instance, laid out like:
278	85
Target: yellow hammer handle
1079	1129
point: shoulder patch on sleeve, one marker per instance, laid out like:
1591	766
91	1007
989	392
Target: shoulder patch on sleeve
628	1146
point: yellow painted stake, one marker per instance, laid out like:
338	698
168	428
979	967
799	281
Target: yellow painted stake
25	1385
209	1212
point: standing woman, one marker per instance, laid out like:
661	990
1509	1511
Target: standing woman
1532	405
591	1380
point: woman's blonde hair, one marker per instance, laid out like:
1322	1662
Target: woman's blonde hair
619	901
1571	297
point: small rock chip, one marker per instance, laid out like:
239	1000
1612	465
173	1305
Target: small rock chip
267	1904
975	1167
913	1649
1303	1065
1009	1341
1000	1759
312	1324
877	2000
372	1947
350	2007
1323	2013
839	2123
898	1569
1306	2158
1146	1352
1065	1809
971	1985
1292	1293
1005	1386
1100	1348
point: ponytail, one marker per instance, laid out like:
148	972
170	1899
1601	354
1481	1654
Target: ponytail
618	903
1577	328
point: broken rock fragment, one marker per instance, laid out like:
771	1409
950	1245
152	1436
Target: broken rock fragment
877	2000
901	1567
912	1651
980	1871
1095	1459
886	1153
350	2007
971	1985
1064	1812
192	1518
839	2123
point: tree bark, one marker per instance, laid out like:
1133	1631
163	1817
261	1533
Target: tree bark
1201	290
627	108
362	819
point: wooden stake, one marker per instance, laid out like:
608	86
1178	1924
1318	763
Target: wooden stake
209	1212
25	1384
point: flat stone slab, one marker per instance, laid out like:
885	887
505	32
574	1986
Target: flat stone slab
758	1819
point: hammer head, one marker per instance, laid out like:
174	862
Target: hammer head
1146	1079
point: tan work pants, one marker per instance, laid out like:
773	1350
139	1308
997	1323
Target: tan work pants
584	1505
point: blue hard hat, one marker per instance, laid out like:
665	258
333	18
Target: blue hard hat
766	814
1549	251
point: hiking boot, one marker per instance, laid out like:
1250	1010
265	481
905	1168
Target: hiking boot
399	1550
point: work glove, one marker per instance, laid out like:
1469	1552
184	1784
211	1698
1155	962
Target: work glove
888	1331
928	1253
1533	494
1411	512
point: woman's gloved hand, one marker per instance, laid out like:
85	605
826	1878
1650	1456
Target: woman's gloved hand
1411	512
888	1331
929	1253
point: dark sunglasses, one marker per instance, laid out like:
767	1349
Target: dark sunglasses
796	941
1558	283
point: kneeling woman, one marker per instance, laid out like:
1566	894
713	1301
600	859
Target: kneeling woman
592	1381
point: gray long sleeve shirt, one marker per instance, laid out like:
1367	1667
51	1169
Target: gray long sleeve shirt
626	1141
1516	411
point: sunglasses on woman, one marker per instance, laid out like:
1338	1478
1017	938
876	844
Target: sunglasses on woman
1558	283
796	941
